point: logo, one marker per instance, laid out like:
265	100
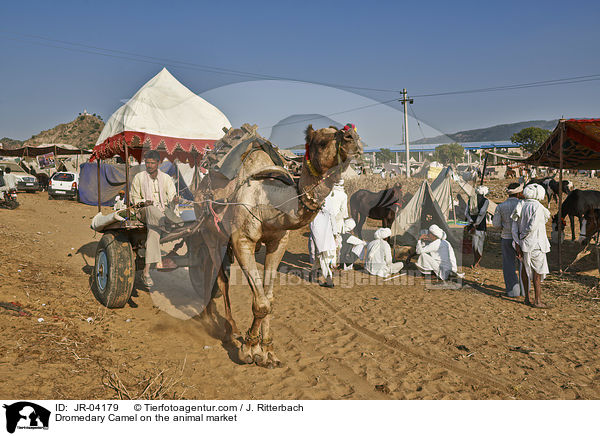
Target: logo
26	415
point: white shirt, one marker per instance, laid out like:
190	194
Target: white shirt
168	187
10	181
529	226
440	251
336	203
502	216
379	258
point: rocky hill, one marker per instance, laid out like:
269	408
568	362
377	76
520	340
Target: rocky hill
501	132
82	132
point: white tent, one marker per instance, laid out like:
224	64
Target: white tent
349	173
163	110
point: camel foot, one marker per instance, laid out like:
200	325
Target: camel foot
251	354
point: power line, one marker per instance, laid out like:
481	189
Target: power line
120	54
564	81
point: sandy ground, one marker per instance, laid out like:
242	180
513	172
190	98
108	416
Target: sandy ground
402	339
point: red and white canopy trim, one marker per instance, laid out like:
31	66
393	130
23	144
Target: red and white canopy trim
166	116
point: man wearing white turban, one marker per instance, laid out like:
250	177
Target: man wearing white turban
352	247
322	244
531	242
502	218
476	214
437	256
379	261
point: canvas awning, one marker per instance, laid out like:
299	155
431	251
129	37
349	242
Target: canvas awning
163	115
38	150
580	143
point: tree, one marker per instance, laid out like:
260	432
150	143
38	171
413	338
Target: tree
530	138
385	155
449	153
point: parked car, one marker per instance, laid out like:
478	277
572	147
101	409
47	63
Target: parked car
25	182
63	184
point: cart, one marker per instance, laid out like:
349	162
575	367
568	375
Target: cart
120	251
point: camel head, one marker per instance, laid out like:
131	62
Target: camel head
330	148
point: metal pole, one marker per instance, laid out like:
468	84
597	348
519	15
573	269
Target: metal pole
98	177
406	144
560	191
484	167
127	181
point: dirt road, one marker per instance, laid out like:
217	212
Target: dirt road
400	339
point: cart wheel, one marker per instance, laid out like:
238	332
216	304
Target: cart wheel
114	271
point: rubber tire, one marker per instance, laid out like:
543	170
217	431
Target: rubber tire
121	270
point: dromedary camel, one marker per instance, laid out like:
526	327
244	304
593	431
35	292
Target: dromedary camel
382	205
262	208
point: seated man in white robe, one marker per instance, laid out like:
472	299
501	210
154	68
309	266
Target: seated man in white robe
379	261
157	190
436	255
352	247
120	201
531	241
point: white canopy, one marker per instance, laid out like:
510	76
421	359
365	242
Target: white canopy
164	107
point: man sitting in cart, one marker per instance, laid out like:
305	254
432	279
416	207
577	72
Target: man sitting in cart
157	190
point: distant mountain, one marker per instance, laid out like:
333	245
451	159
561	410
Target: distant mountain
501	132
82	132
289	132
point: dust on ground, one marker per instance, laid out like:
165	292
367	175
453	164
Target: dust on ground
401	339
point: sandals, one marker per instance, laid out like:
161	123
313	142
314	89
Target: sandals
147	281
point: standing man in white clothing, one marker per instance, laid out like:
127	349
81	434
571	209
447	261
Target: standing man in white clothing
531	241
476	216
502	219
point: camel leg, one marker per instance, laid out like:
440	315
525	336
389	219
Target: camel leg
275	252
231	330
250	350
359	225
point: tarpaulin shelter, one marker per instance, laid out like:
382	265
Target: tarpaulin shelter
574	144
38	150
577	139
163	115
112	180
421	211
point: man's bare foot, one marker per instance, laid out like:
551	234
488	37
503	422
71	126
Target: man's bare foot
540	305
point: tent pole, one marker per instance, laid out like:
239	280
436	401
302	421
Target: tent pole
560	192
127	181
484	167
98	177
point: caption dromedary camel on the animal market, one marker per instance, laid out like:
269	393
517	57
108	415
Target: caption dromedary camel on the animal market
261	205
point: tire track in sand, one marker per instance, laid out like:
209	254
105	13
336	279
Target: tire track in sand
497	383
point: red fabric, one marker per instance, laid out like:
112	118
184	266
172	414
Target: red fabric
185	150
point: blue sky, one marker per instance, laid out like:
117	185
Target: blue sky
427	47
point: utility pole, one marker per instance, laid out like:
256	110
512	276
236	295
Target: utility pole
404	101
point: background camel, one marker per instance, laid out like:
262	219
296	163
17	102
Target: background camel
263	205
382	205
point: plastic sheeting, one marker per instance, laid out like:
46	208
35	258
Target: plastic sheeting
112	180
414	216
